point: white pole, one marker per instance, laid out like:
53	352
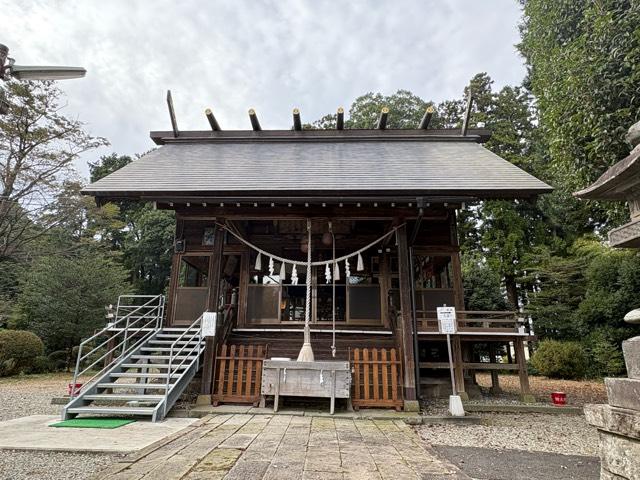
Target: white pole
453	377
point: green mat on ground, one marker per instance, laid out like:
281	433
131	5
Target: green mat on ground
93	423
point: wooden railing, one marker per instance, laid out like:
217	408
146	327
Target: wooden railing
377	378
476	321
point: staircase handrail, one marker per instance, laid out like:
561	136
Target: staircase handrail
198	346
154	315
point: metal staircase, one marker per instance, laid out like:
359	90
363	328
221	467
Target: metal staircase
144	368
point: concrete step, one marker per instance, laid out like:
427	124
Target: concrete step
113	410
134	386
123	397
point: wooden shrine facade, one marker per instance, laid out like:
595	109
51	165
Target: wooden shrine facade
235	190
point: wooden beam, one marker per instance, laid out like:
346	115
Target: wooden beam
404	325
172	114
340	119
215	126
426	118
467	115
382	119
255	124
297	122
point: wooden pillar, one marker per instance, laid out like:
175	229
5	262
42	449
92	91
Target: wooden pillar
175	273
404	330
495	379
525	391
208	367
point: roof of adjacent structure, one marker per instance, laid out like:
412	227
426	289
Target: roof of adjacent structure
319	163
617	181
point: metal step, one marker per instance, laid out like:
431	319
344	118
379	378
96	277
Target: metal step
113	410
143	375
181	342
124	397
134	386
162	357
168	349
159	366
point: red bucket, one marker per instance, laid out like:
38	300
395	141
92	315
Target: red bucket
559	398
73	391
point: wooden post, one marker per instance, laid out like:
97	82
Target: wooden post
525	391
404	327
495	380
208	367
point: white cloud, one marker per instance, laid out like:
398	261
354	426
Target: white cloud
270	55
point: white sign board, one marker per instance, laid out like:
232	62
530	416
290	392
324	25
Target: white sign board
209	324
447	320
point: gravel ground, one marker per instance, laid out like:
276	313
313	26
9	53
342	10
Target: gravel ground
31	395
533	432
15	465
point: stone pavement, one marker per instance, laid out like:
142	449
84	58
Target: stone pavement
245	447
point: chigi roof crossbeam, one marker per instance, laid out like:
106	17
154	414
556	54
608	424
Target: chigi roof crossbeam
298	133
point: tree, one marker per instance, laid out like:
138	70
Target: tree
144	236
37	148
63	298
583	61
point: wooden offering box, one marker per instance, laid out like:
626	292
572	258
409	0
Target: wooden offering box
325	379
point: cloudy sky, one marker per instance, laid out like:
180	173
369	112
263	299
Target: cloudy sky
269	55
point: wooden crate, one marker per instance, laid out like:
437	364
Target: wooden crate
238	374
377	378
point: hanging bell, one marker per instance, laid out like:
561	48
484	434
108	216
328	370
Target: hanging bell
259	262
360	266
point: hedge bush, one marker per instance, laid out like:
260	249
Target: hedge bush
18	350
41	364
555	359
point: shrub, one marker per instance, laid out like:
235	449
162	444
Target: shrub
18	349
58	360
556	359
603	347
41	364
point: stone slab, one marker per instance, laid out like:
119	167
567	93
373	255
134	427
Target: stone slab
631	350
34	433
623	392
620	455
615	420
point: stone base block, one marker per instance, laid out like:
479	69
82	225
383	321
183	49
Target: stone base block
411	406
631	350
614	420
203	400
528	398
620	455
623	392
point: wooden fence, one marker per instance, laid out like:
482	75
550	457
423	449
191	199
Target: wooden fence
377	378
238	374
